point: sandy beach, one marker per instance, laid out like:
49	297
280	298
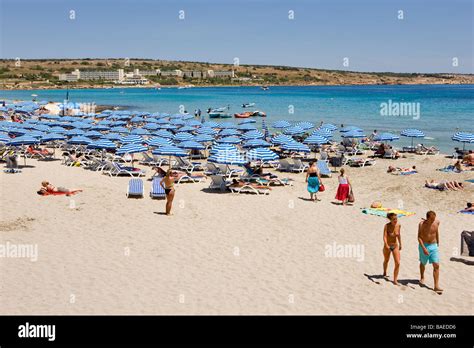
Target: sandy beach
102	253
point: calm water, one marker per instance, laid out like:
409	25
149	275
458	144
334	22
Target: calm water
443	108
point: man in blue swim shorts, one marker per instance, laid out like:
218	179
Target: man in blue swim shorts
428	239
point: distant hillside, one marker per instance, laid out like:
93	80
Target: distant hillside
44	74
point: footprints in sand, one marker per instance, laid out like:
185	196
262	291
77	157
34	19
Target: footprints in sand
20	224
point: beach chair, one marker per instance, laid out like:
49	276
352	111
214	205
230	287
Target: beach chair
423	150
284	166
118	170
390	154
135	188
323	168
218	181
211	169
250	188
157	191
298	166
360	162
191	179
187	166
228	171
148	160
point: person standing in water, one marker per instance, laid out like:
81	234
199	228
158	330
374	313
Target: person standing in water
313	178
428	239
168	185
392	241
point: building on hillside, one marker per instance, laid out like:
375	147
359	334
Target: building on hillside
177	73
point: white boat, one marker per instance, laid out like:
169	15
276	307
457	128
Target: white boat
248	105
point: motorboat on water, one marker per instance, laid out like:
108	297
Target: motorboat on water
243	114
265	88
259	113
248	105
219	114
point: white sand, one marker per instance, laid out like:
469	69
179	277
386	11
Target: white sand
225	253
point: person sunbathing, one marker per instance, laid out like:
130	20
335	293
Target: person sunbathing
392	169
444	185
32	150
469	158
48	188
469	207
238	183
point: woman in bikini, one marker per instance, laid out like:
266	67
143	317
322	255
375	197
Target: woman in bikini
168	185
392	244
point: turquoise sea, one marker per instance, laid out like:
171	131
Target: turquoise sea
443	109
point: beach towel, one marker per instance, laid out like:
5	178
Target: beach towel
448	169
409	173
466	212
471	181
384	211
59	193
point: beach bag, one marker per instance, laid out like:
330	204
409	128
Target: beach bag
351	198
322	188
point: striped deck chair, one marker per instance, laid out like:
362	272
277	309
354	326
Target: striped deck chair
135	188
157	192
324	168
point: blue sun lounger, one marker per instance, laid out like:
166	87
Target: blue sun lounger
157	191
324	168
135	188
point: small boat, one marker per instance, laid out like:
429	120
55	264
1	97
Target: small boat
248	105
259	113
223	109
219	114
243	115
265	88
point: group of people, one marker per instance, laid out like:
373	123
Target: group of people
314	182
428	246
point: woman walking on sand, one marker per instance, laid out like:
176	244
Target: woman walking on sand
344	187
313	178
168	185
392	245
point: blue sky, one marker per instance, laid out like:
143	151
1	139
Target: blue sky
321	35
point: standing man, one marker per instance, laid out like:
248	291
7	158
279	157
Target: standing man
428	239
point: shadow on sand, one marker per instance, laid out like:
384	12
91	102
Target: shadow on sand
466	262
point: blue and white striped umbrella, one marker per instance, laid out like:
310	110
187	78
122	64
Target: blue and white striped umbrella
328	126
315	139
113	136
350	128
81	125
36	134
229	140
295	130
151	126
42	128
187	129
210	124
119	130
163	134
93	134
412	133
131	148
170	151
102	144
353	134
322	132
203	138
80	140
247	127
23	140
183	136
262	154
464	137
253	134
160	142
295	147
100	127
281	139
305	125
256	143
386	137
206	130
139	131
281	124
223	147
52	137
193	123
177	122
191	145
224	125
227	157
137	119
228	132
131	139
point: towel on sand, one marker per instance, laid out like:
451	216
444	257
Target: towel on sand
59	193
466	212
384	211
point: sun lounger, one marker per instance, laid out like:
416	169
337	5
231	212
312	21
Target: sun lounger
298	166
324	168
359	162
423	150
135	188
118	169
148	160
285	166
250	188
191	178
218	181
187	166
157	191
275	181
227	171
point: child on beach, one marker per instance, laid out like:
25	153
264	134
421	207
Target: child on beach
392	245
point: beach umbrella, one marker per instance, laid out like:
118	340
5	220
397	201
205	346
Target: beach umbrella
262	154
57	129
113	136
4	138
328	126
155	142
151	126
202	138
247	127
294	130
305	125
93	134
227	157
177	122
281	139
266	133
210	124
80	140
42	127
229	140
193	123
247	120
187	129
137	119
191	145
206	130
353	134
170	150
350	128
102	144
163	134
81	125
151	120
253	134
52	137
281	124
168	126
139	131
131	148
36	134
163	121
315	139
322	132
183	136
412	133
50	117
295	147
100	127
223	147
386	137
256	143
464	137
74	132
119	129
132	138
224	125
228	132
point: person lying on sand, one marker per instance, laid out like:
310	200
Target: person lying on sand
444	185
392	169
47	188
469	158
469	207
237	183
